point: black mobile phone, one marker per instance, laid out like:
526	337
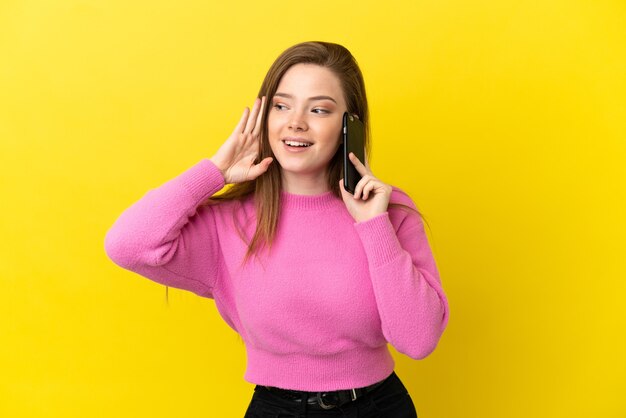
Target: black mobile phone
353	141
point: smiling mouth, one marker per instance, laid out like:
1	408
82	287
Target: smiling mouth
297	144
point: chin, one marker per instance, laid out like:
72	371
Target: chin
294	168
298	168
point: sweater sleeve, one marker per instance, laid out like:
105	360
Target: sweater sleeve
167	238
411	302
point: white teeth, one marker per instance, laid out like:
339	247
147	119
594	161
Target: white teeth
297	144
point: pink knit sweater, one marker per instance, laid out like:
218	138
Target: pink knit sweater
317	312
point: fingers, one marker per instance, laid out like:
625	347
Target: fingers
360	186
251	116
242	122
358	165
365	189
368	185
254	114
363	186
259	118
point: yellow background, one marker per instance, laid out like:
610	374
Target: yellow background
504	120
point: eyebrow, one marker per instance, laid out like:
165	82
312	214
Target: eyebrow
289	96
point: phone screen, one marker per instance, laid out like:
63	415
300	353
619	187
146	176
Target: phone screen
353	141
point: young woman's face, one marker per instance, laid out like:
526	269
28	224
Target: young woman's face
307	108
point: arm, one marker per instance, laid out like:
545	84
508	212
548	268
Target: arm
166	238
412	304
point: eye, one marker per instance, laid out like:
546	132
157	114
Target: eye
278	106
321	110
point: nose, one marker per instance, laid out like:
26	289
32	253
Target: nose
297	122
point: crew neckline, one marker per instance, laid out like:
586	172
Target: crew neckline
324	200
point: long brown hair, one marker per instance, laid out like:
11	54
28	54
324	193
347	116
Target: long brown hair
267	187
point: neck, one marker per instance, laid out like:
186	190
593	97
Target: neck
305	184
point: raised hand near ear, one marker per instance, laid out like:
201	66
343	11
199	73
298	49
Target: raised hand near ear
236	156
371	196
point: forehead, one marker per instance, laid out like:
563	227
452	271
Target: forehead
310	80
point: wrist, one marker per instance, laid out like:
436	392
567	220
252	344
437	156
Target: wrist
217	164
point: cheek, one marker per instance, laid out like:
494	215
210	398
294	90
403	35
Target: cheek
333	133
273	124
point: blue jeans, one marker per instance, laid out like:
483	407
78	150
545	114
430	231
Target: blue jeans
389	400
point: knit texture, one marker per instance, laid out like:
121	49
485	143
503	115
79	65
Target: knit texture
317	311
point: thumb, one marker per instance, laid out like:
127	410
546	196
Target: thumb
344	193
260	168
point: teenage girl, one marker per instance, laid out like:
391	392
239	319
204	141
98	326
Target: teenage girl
316	280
